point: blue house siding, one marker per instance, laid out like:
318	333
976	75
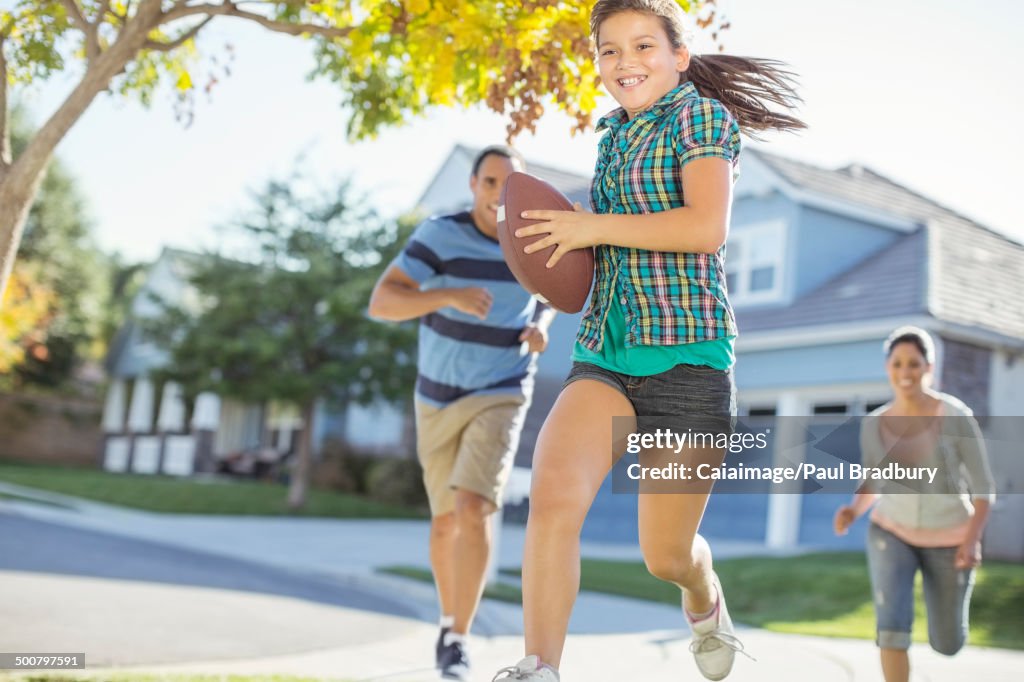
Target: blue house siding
139	355
810	366
748	210
557	359
552	367
736	517
826	244
752	210
614	517
816	514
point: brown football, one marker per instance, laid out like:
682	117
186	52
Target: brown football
565	286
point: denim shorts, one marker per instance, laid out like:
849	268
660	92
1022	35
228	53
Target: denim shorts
685	397
893	564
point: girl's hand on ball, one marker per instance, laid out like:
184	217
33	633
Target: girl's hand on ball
566	230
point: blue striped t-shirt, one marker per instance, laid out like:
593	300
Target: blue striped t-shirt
460	354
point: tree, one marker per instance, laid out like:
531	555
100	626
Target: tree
57	248
392	58
23	320
288	323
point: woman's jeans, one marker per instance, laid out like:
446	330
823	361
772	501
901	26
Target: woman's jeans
947	592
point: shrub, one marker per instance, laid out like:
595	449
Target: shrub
396	481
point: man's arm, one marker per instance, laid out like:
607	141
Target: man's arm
397	297
545	317
536	333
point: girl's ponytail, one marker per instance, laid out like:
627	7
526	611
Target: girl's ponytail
746	87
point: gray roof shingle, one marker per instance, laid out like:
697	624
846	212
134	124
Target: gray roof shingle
975	275
888	284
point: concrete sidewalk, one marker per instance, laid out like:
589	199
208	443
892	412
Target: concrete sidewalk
637	657
195	629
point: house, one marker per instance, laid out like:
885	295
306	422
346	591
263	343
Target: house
150	428
822	265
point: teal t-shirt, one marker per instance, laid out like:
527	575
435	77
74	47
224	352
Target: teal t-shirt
645	361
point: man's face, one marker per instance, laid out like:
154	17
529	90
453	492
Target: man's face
486	187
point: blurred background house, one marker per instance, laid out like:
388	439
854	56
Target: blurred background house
150	428
822	265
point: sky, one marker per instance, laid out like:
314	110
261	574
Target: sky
918	90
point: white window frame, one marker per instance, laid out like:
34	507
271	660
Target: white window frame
742	264
855	396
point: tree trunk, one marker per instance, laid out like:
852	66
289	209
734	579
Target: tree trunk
303	460
20	181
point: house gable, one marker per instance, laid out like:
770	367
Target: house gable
132	354
887	284
896	253
812	238
826	244
449	190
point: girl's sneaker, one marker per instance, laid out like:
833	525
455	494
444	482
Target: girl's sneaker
530	668
714	643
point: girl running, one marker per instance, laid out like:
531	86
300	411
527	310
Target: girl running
657	339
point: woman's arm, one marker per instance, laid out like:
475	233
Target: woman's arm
847	514
870	455
968	554
970	447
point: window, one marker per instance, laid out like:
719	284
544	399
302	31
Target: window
831	408
754	262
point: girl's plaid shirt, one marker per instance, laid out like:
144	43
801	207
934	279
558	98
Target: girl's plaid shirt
667	298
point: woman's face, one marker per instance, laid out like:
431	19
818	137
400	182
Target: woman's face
637	63
909	372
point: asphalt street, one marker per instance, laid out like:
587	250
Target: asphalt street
36	546
129	601
143	592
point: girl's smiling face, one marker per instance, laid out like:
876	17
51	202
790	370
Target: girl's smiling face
636	60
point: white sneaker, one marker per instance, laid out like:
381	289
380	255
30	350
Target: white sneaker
714	643
529	668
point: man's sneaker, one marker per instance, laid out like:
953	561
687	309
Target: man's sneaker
714	643
454	663
439	648
530	668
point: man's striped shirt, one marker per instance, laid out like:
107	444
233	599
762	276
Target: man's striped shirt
460	354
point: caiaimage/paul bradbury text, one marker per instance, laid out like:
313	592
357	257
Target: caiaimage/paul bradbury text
840	471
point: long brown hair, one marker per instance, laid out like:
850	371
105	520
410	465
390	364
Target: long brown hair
746	86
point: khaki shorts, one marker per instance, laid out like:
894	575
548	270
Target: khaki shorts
470	445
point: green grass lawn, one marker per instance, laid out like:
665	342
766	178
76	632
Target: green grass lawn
825	594
192	496
500	591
